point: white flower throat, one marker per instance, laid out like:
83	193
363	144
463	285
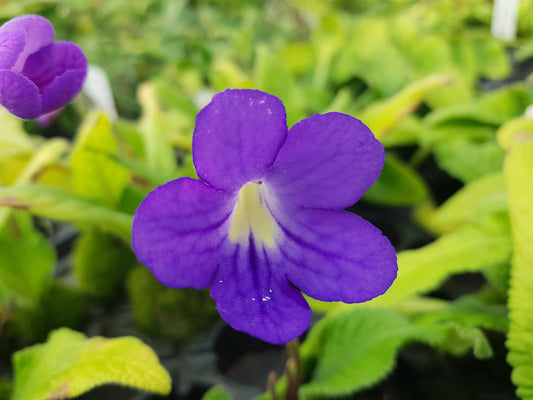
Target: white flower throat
252	217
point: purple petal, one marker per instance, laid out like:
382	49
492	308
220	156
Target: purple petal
19	95
237	136
11	45
178	231
336	256
328	161
253	295
39	33
59	71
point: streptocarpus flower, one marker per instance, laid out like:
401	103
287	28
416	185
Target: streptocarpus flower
266	219
37	76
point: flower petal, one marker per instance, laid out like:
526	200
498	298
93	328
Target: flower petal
59	71
178	231
11	44
328	161
253	295
19	95
39	33
237	136
336	256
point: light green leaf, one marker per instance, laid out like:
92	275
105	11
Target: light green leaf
398	185
452	130
405	133
94	173
26	263
226	74
468	161
466	311
140	168
154	129
473	202
471	248
62	205
69	364
363	53
468	249
13	140
49	152
217	393
271	75
518	128
494	108
383	116
493	60
498	276
519	179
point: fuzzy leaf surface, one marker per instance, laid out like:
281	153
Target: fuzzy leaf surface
519	178
69	364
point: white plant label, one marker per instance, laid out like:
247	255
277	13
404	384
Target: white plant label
504	16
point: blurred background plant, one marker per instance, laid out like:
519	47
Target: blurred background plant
446	99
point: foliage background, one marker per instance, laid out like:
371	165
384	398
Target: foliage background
445	98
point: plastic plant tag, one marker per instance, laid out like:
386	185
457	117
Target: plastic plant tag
504	17
98	89
529	112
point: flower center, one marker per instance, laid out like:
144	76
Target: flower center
252	217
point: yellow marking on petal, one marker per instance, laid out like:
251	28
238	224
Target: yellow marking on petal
251	216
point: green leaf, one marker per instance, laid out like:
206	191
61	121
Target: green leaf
217	393
101	263
398	185
166	312
351	351
69	364
27	261
519	178
473	202
468	161
94	172
354	350
63	205
459	339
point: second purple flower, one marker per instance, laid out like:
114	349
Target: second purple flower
266	220
37	76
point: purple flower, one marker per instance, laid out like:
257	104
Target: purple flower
266	219
37	76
